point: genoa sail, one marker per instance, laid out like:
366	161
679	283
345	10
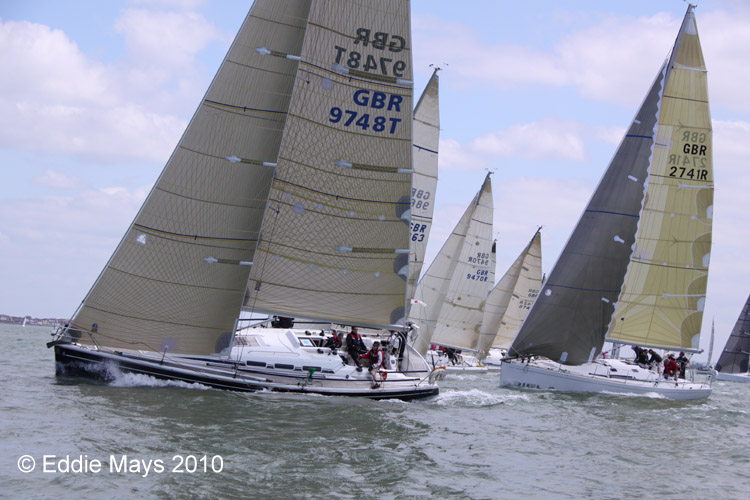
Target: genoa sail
510	301
334	241
177	279
426	133
735	358
454	289
664	293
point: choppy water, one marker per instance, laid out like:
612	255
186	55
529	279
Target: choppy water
475	440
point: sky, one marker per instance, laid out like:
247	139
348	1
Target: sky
95	95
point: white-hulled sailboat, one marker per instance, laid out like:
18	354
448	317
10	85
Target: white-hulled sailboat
450	297
734	362
295	173
509	303
635	267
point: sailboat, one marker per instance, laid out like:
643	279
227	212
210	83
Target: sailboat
635	268
734	362
450	297
287	196
509	303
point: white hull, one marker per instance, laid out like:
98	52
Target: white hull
466	363
262	359
494	359
733	377
605	376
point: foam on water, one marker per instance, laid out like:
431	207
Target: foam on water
474	397
122	379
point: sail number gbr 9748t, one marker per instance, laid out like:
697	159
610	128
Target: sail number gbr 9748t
366	104
692	163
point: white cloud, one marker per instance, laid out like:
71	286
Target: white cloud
165	39
55	100
57	180
546	139
613	60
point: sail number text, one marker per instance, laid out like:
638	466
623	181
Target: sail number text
417	231
369	100
481	259
419	198
383	64
481	275
692	163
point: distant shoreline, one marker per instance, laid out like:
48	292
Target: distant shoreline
6	319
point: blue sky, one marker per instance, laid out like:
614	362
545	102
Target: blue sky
95	95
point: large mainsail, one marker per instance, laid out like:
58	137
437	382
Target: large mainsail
510	301
426	134
335	236
177	279
736	354
664	293
453	291
570	318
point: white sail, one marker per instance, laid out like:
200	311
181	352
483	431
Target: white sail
510	301
177	279
664	293
455	286
426	132
335	237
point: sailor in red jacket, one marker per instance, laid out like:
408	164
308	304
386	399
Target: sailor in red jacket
374	358
670	367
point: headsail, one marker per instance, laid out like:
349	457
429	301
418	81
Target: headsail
510	301
735	357
456	284
426	131
177	279
663	297
335	237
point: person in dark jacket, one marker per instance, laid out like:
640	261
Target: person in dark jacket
355	346
682	361
655	360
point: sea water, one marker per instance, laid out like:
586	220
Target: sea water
138	437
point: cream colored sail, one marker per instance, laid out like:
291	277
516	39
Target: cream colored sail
335	237
510	301
460	316
662	299
177	279
426	132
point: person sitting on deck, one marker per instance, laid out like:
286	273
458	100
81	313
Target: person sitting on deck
355	346
373	360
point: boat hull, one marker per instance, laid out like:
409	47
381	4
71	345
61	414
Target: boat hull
733	377
73	360
599	378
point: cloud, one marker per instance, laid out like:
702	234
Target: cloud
165	39
57	180
56	100
546	139
613	60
